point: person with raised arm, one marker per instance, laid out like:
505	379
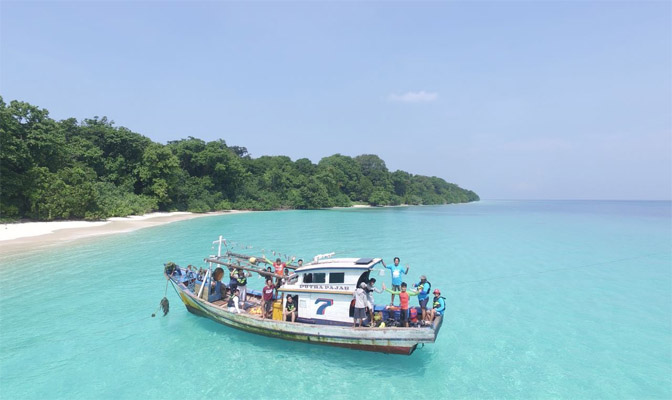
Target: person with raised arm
424	286
397	272
370	289
403	302
241	278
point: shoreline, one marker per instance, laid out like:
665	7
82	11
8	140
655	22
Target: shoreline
17	237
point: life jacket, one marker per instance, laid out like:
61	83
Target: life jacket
414	314
437	303
230	303
242	280
291	306
425	290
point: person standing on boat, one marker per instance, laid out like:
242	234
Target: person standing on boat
233	280
397	272
423	287
369	296
290	309
267	298
403	302
241	279
360	304
279	268
217	289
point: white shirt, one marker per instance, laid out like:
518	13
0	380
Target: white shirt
235	305
360	298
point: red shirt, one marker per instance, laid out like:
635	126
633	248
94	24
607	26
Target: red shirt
403	298
279	268
268	293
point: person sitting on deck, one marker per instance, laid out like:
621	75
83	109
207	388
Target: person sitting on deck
360	305
423	287
290	309
233	302
242	286
267	298
217	290
403	301
397	271
438	306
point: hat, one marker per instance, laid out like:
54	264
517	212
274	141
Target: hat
437	291
362	285
422	277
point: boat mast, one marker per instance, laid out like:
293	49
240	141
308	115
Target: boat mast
219	241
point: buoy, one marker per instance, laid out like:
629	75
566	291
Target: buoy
253	260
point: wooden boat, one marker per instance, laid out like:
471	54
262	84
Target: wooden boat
324	290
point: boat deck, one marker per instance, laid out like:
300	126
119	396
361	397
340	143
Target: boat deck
253	304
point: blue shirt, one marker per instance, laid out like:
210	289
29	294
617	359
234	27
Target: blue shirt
424	293
397	272
439	305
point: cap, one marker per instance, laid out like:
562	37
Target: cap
437	291
422	277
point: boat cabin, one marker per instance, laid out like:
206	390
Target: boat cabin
323	289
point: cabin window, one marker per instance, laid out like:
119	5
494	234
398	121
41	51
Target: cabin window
307	278
319	277
337	277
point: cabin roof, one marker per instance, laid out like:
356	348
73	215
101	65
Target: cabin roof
340	263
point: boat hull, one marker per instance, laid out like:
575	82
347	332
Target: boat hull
385	340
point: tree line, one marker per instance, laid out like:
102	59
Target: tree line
66	169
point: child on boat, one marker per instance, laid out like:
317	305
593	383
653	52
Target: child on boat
403	301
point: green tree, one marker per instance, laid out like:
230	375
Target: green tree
159	173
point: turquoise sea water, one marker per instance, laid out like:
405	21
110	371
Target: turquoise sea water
545	300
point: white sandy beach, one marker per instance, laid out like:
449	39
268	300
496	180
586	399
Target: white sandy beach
18	236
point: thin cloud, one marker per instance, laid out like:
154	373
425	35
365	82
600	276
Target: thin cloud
414	97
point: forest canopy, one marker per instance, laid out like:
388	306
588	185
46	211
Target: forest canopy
91	169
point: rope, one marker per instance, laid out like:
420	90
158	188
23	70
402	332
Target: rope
557	269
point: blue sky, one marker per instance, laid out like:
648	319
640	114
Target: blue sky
515	100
